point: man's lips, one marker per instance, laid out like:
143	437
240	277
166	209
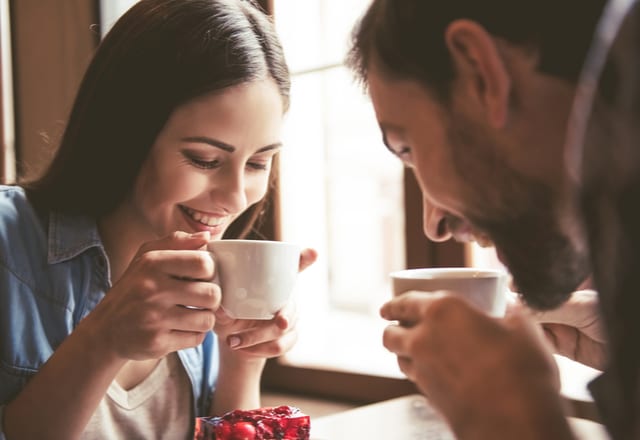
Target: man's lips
469	236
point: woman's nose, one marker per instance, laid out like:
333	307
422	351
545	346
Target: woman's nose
230	191
435	222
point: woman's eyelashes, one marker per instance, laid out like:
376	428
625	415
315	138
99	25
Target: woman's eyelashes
404	153
204	164
209	164
259	166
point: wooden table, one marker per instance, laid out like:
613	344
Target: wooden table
408	418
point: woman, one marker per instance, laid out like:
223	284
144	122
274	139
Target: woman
171	138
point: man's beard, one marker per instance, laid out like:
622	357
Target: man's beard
545	266
520	216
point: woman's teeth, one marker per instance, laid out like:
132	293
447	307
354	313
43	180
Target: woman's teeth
203	218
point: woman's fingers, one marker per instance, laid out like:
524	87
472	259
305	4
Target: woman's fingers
271	348
308	256
177	241
193	294
179	340
265	338
180	264
190	320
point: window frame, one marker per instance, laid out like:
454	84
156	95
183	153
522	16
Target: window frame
68	36
280	376
64	43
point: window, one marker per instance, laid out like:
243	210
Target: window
7	135
344	194
341	192
110	11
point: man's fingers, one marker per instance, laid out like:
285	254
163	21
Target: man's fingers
406	366
394	339
409	307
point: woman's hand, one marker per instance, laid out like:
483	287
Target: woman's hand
490	378
245	344
263	338
165	301
575	328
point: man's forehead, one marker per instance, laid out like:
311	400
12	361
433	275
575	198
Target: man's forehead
396	103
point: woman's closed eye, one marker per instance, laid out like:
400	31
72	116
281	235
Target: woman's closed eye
209	164
404	154
262	161
259	166
202	163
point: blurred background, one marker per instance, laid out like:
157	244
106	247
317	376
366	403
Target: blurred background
341	192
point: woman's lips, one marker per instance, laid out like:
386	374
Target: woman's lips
203	221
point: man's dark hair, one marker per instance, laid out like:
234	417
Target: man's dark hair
407	36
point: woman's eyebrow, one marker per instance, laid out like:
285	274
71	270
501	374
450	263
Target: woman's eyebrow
226	147
210	141
269	147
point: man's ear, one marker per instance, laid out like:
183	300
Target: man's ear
480	68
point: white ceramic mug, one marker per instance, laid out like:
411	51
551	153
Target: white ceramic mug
484	289
256	277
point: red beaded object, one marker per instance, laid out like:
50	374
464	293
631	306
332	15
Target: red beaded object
277	423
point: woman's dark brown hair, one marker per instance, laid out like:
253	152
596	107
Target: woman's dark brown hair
158	55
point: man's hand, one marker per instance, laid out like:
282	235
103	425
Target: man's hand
490	378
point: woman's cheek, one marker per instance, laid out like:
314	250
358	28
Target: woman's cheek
256	189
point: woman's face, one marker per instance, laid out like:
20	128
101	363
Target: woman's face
210	162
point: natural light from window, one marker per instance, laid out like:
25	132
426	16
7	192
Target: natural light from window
341	193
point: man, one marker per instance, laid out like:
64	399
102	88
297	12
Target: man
476	97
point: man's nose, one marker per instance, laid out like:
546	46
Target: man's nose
435	222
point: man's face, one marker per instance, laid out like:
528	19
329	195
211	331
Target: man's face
474	186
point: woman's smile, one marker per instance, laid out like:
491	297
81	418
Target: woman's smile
205	221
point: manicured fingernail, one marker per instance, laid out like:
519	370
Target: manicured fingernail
282	323
233	341
202	234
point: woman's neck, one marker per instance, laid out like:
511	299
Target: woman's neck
121	239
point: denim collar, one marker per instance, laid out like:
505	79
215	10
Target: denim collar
69	236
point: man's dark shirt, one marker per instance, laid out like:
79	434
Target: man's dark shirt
610	196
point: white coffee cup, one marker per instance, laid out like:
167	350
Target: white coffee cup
484	289
256	277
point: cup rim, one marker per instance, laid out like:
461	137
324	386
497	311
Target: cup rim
251	240
435	273
242	241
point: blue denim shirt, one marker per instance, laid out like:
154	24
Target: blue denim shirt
53	272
